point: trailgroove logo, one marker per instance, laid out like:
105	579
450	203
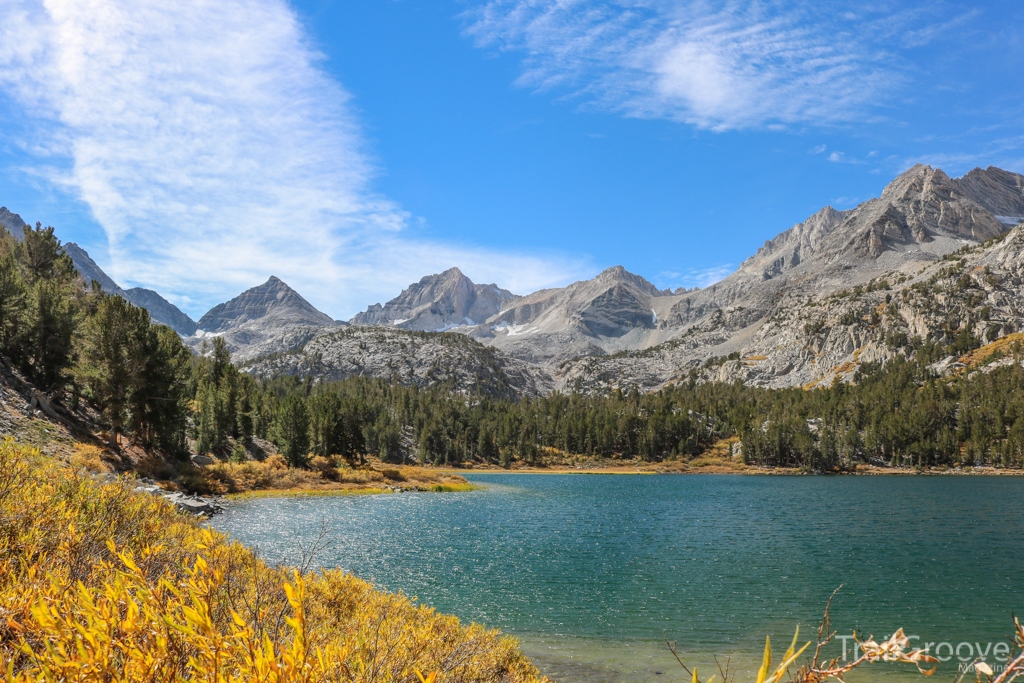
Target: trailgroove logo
964	652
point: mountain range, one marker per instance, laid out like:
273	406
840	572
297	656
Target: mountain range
842	288
160	309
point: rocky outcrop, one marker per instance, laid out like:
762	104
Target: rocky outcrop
409	358
193	504
12	223
438	303
89	271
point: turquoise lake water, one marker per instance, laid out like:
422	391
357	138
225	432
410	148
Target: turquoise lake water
589	571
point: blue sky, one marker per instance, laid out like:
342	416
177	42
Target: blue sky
351	147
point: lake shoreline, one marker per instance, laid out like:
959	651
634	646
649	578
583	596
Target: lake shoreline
352	491
327	489
742	470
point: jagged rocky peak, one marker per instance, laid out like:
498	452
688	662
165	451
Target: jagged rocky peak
918	206
618	274
272	304
999	191
438	302
89	271
790	247
161	310
924	203
12	222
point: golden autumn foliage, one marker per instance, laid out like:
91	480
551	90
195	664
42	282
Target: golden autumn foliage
323	474
98	583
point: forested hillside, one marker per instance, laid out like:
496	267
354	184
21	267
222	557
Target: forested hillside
82	347
901	415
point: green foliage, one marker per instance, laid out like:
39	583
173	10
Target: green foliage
238	454
148	386
74	342
900	414
291	430
134	373
38	306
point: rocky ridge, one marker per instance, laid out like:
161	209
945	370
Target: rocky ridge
160	309
408	357
438	303
807	307
974	293
11	222
89	271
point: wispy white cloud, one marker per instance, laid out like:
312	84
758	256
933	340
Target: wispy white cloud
1006	153
715	64
697	277
841	158
214	150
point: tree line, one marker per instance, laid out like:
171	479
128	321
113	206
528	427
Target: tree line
900	414
78	343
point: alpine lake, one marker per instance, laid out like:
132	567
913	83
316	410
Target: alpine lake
592	572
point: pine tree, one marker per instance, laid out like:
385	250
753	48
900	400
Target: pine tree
12	300
209	407
291	430
113	356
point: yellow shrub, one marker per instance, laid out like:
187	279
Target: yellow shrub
421	474
392	474
98	583
88	457
349	475
321	464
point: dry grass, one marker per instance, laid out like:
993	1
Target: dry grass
323	475
718	464
453	488
1003	345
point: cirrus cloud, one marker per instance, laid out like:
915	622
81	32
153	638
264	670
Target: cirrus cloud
714	64
212	147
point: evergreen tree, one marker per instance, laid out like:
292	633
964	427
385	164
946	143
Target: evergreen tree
113	357
210	418
48	315
12	299
291	430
